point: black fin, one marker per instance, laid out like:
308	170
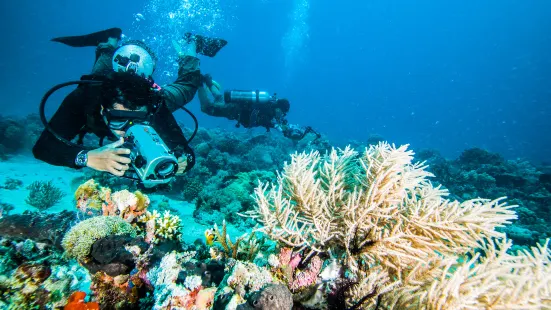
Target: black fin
92	39
207	46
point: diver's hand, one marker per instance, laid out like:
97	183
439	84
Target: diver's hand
207	79
108	158
182	165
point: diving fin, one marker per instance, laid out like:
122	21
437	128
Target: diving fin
92	39
207	46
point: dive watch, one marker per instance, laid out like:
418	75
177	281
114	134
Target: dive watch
82	159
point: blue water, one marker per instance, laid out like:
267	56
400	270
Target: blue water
434	74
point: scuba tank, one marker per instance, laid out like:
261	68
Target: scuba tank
248	96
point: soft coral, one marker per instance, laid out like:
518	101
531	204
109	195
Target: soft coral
76	302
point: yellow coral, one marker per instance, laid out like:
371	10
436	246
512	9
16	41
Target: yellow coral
142	201
89	195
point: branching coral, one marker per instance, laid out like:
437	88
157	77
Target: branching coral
386	223
244	248
157	227
43	195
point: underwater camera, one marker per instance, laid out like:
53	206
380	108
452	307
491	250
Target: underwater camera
153	162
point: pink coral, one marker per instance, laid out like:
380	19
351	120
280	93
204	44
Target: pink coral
295	260
150	230
309	276
285	256
288	263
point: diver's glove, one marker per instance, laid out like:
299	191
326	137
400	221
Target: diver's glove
207	80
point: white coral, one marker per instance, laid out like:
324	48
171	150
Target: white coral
123	200
164	276
192	282
168	226
273	261
249	275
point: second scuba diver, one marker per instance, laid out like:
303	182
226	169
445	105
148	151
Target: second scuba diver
250	109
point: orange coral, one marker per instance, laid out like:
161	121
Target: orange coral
76	302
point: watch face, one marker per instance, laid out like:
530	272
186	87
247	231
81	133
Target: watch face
81	159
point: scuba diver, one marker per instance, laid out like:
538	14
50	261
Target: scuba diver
250	109
121	102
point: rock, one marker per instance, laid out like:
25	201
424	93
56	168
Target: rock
272	297
40	227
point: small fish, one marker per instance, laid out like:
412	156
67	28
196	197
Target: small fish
210	237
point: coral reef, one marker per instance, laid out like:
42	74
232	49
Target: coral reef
43	195
343	230
479	173
394	233
39	227
17	134
5	208
35	276
172	293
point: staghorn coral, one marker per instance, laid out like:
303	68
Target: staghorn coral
395	233
78	241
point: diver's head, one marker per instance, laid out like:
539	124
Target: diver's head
128	99
135	57
281	106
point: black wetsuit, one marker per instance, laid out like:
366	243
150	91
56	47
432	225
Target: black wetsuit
247	115
80	110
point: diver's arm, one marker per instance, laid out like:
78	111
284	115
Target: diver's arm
204	99
183	90
172	135
66	122
104	56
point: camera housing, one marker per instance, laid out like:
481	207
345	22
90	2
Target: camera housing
153	162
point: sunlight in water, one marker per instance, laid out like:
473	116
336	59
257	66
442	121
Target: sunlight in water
295	40
162	21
